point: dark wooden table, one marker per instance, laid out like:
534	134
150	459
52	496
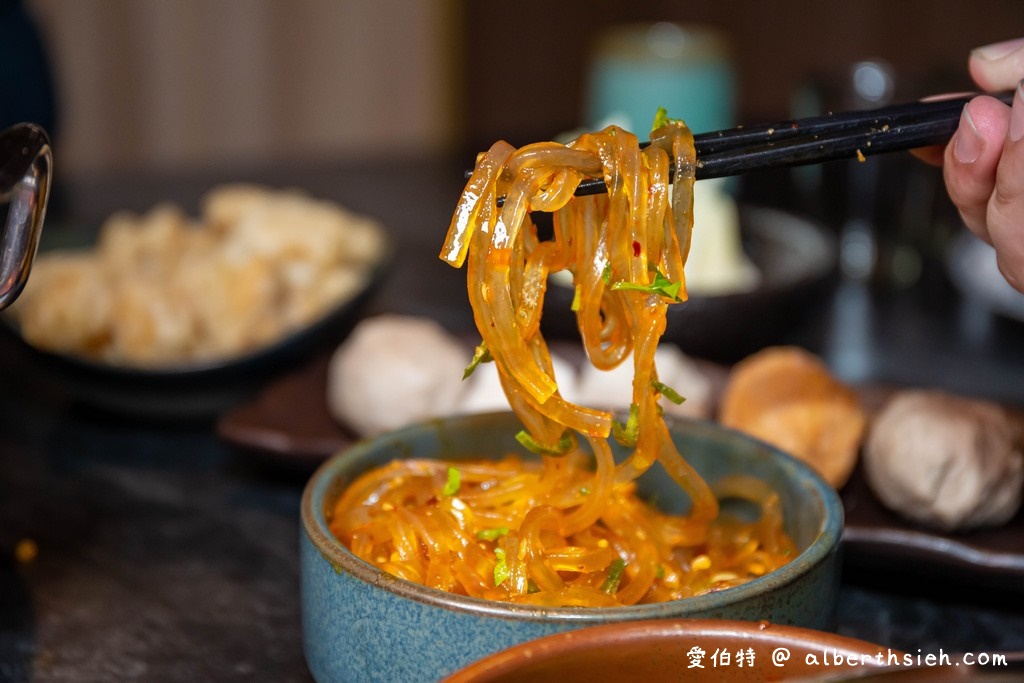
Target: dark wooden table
163	555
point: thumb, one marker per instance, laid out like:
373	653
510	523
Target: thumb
998	66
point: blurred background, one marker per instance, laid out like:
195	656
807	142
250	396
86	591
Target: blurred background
140	84
191	474
352	100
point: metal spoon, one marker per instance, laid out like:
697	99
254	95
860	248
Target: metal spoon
26	163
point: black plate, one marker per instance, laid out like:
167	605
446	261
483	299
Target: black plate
878	542
797	260
200	389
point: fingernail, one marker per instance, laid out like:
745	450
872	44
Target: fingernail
969	143
1008	274
1017	115
998	50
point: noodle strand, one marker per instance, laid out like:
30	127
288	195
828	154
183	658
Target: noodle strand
569	529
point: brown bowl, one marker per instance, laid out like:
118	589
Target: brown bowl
667	650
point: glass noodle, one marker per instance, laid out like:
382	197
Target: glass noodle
569	528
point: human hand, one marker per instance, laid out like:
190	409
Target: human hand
983	164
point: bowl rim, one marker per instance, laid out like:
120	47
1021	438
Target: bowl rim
315	526
604	636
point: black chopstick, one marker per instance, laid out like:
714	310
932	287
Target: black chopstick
828	124
847	144
831	137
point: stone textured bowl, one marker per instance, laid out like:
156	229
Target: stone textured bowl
362	624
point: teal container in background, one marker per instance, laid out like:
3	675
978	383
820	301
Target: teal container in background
636	68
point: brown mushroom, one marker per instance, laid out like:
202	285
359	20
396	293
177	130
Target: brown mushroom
787	397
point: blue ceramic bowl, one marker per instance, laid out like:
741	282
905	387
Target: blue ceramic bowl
361	624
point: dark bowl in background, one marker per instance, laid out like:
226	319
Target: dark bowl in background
798	262
191	390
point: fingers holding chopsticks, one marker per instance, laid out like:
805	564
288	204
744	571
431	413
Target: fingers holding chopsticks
971	160
983	164
1005	214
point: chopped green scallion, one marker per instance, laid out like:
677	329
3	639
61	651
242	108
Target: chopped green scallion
451	487
661	118
668	392
537	448
611	584
661	286
492	534
626	434
481	354
501	572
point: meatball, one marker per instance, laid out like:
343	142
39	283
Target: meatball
944	461
395	370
